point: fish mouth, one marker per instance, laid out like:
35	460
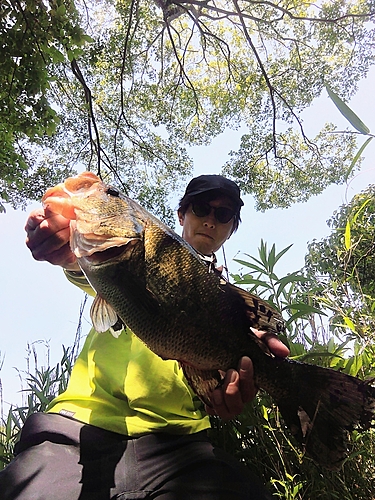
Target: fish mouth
105	255
111	254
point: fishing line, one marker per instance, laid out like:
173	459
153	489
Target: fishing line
225	262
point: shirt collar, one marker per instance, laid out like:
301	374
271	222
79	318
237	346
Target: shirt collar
210	261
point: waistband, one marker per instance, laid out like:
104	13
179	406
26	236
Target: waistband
40	427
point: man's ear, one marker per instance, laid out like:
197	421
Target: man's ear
181	217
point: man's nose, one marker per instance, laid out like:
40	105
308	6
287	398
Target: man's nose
210	220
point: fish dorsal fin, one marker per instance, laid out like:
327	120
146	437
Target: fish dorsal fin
260	314
103	316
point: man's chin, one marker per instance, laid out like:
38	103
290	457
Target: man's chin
205	245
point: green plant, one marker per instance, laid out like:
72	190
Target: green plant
259	436
42	385
285	293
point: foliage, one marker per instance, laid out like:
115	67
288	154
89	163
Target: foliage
259	439
347	254
344	264
43	384
259	436
33	34
281	293
158	77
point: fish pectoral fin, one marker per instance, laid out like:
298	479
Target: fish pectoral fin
104	317
203	382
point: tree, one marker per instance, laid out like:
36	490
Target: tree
343	266
162	76
32	35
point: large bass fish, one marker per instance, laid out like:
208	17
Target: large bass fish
155	282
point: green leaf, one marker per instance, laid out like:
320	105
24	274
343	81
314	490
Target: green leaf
265	413
289	279
61	10
357	157
249	264
347	236
349	323
271	261
317	354
353	365
344	109
88	38
56	55
252	281
305	308
361	208
263	253
280	254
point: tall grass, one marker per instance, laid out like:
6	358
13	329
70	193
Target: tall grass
39	385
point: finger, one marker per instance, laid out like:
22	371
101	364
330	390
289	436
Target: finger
42	226
273	343
232	403
46	242
218	407
63	257
37	216
48	236
34	219
248	387
277	347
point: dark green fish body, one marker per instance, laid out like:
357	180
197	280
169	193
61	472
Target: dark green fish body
150	278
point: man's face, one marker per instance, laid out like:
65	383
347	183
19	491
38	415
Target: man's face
206	234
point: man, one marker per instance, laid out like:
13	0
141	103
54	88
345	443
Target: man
129	426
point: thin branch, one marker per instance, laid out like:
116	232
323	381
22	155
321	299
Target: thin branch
263	71
91	116
182	70
204	5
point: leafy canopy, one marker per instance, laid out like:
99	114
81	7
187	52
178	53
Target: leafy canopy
32	35
159	77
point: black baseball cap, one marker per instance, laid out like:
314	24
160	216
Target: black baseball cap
205	183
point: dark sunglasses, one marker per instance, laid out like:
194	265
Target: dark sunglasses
222	214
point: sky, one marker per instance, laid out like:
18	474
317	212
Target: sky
40	309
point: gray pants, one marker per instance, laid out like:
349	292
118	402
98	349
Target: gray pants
62	459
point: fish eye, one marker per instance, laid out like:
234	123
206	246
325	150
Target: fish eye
113	192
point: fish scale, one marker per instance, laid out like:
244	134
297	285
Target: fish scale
155	282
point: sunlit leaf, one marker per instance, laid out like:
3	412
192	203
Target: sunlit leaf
347	235
348	113
349	323
360	210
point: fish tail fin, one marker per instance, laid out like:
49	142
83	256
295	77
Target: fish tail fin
321	406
